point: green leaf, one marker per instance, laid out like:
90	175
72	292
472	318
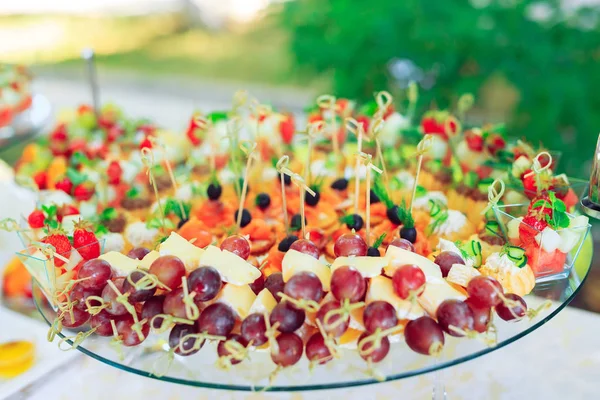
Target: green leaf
560	206
133	193
101	230
381	192
108	214
76	177
380	240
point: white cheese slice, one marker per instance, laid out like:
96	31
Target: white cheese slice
233	269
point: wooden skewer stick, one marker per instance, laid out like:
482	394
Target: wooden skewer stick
302	186
312	130
148	161
422	148
156	143
328	102
366	160
357	128
281	164
249	148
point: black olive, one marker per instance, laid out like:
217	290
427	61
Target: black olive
246	217
285	244
287	180
214	191
354	221
340	184
312	200
296	222
409	234
182	222
392	214
373	252
374	198
263	201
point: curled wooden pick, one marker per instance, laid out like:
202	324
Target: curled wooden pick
494	196
366	160
424	145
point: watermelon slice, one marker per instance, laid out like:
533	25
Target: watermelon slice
545	263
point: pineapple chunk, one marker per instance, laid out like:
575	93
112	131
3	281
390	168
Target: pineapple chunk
233	269
435	293
264	303
381	288
148	259
294	262
461	274
177	246
120	263
398	257
73	260
68	223
239	298
367	266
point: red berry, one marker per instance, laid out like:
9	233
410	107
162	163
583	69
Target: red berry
113	133
287	128
364	121
429	125
494	143
114	172
77	145
83	192
65	185
474	141
41	180
146	143
61	244
315	117
36	219
67	209
85	241
84	109
147	129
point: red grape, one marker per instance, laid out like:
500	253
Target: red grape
101	322
317	350
216	319
79	294
137	296
348	283
222	349
253	329
350	244
238	245
274	283
205	282
481	316
258	285
126	332
151	308
169	270
95	272
512	312
485	291
454	313
138	253
446	259
174	305
178	332
408	279
403	244
78	318
341	327
306	246
423	335
304	285
110	297
289	317
379	315
290	348
376	355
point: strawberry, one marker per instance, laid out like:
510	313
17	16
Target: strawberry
83	192
114	173
36	219
85	241
114	132
61	245
364	121
65	185
529	184
67	209
146	143
389	111
84	109
429	125
495	142
59	140
147	129
530	227
315	117
41	180
287	128
77	145
474	141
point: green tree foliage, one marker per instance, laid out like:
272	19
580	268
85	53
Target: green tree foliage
550	54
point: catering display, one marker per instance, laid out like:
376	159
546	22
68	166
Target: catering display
251	236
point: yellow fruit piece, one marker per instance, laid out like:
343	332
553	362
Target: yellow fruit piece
239	298
176	245
30	153
368	267
264	303
294	262
56	170
350	336
435	293
120	263
15	358
148	259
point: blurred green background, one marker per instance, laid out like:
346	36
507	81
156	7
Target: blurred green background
530	64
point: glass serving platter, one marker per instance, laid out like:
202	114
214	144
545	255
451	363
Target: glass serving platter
151	359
